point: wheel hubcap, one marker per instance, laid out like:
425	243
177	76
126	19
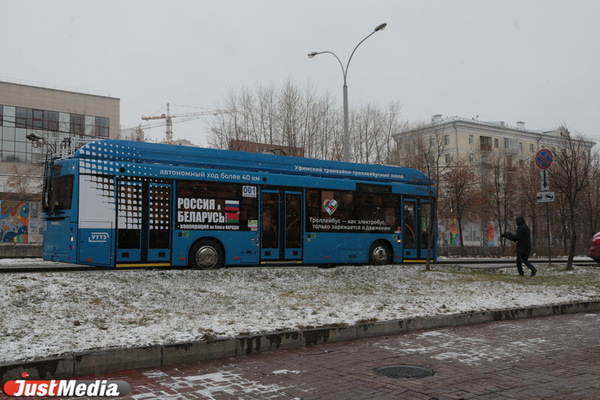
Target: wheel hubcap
207	256
379	254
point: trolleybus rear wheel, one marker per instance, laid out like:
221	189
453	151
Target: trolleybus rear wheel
206	254
380	254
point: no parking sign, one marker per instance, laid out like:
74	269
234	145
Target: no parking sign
543	159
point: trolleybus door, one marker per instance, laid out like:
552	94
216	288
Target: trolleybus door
427	219
143	224
281	225
417	227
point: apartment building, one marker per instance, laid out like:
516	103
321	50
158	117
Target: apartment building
479	144
477	141
36	122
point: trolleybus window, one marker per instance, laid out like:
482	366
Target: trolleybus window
270	220
60	193
426	222
293	210
410	229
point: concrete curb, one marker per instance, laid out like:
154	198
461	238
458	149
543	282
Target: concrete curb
119	359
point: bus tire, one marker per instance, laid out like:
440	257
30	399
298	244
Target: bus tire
206	254
380	254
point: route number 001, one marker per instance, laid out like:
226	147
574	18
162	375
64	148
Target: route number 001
249	191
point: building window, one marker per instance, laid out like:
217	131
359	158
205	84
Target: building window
446	140
496	143
531	148
471	158
102	124
17	122
9	116
64	122
471	141
471	234
38	119
447	158
90	126
51	121
23	117
77	124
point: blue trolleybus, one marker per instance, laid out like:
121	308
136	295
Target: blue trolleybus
119	203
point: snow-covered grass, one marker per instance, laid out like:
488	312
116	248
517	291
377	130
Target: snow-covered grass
53	313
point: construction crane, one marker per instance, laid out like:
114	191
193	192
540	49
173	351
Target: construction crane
186	117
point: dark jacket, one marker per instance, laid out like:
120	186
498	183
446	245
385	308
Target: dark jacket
522	236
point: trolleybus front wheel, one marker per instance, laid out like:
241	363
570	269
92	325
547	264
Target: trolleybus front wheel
380	254
206	254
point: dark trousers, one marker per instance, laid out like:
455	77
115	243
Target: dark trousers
523	258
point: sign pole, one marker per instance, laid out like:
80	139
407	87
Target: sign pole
543	159
549	233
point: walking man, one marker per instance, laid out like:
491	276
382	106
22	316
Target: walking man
522	237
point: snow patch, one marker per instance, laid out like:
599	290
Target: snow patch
54	313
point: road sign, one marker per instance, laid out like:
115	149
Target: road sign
543	159
545	197
544	184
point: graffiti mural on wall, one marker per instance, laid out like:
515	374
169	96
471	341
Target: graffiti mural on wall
454	231
490	235
14	221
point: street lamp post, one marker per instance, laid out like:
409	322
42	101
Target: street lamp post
346	142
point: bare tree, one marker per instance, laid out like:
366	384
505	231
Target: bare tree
390	125
372	130
500	192
365	134
224	128
590	210
289	113
424	150
266	109
137	135
570	174
461	185
302	118
22	181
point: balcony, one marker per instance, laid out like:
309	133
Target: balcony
485	143
511	150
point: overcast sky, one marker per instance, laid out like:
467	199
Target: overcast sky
536	61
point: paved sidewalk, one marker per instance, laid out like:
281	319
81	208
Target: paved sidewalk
554	357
